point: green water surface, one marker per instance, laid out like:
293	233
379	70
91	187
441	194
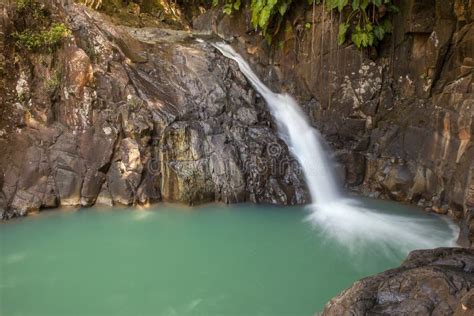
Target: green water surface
167	260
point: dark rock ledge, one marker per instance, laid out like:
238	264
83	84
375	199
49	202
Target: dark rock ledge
429	282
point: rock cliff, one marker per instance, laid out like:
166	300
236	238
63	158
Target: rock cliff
120	115
399	118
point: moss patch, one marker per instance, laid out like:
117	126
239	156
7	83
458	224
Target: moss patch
37	29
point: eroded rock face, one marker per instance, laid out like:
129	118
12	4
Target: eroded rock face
429	282
136	116
399	120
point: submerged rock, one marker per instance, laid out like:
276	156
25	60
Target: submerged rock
429	282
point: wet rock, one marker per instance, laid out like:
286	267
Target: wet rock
466	306
413	102
32	186
353	167
105	198
124	175
429	282
97	162
68	169
398	181
186	176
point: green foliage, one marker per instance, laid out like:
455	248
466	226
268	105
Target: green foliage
36	29
24	4
265	13
31	9
229	5
366	21
44	40
53	83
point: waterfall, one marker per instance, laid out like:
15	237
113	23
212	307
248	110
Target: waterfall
345	220
304	142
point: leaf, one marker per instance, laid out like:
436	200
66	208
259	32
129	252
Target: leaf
228	8
332	4
264	17
371	39
377	3
387	26
392	8
341	37
356	39
283	7
379	32
369	27
237	5
355	4
364	39
341	4
364	4
256	7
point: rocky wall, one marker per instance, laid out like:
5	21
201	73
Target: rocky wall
125	116
399	118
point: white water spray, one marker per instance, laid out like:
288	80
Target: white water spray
343	219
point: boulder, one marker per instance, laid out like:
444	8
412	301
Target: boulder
429	282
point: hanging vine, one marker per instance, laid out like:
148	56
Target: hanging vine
365	22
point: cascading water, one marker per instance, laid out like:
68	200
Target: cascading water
303	141
339	217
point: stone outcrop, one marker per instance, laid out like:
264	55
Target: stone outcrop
429	282
400	119
127	116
